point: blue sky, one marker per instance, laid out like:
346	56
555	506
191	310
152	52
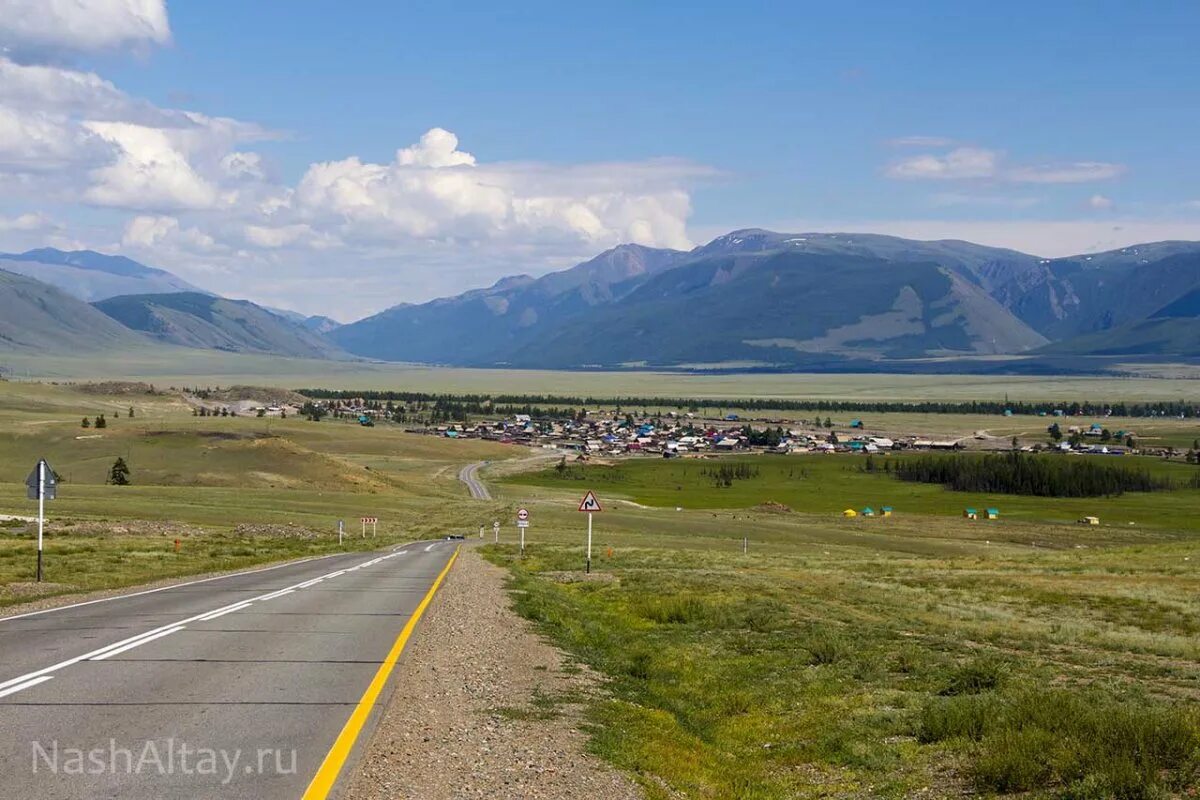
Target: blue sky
1052	128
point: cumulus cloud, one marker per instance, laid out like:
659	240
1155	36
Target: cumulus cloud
433	190
36	26
148	172
151	233
967	163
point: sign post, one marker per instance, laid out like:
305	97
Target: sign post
341	531
496	532
589	505
41	485
522	524
373	522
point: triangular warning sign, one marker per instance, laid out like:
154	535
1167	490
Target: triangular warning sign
590	503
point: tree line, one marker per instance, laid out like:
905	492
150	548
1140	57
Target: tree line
526	403
1024	474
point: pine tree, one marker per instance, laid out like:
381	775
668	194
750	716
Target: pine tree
101	422
87	423
131	412
118	475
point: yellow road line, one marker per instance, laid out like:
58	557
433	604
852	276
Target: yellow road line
331	767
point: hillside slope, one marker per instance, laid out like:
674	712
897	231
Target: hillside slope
484	325
39	318
92	276
191	319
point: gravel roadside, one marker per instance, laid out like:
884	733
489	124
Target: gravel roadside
482	708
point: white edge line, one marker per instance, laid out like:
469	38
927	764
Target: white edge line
165	588
138	643
25	685
220	612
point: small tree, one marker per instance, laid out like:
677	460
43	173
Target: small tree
131	412
1055	432
1131	443
101	422
87	423
118	475
1015	444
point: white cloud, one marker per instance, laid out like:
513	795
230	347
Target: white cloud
959	163
437	148
435	191
975	163
147	232
1100	202
149	172
27	222
82	25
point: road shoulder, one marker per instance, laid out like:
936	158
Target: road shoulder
483	707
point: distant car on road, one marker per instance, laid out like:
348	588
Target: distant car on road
455	537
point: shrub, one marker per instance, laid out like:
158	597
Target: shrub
824	646
975	676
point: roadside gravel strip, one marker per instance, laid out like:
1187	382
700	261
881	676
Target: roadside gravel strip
461	724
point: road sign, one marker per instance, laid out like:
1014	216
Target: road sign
496	531
590	503
49	486
370	520
522	514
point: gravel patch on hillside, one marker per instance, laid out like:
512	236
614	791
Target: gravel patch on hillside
483	708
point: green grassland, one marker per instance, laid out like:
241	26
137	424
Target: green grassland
919	655
236	491
828	484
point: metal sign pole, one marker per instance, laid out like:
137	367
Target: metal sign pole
588	568
522	540
41	513
374	527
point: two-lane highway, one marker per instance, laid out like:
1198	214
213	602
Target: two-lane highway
470	476
257	684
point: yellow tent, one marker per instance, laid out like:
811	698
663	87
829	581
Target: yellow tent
849	512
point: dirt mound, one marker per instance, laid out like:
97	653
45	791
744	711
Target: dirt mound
118	388
771	507
257	394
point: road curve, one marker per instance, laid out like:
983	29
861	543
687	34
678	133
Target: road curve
233	687
470	476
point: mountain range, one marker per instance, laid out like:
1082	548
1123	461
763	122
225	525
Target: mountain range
755	297
750	299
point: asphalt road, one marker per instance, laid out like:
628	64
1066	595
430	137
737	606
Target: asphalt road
470	476
232	687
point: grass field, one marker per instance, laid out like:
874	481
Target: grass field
829	484
184	367
235	491
919	655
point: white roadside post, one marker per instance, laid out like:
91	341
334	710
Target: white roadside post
41	485
590	505
341	531
41	513
496	532
480	531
